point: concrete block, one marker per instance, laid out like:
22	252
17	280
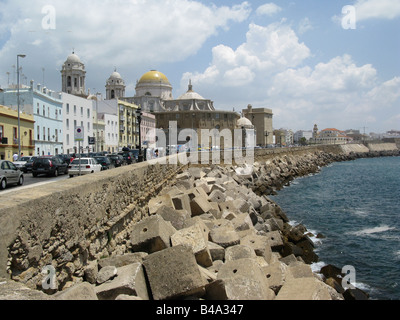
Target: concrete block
217	196
196	173
151	234
176	217
130	280
224	236
173	273
106	274
239	252
219	187
303	289
299	270
157	202
242	205
275	240
217	252
82	291
260	244
202	184
215	211
122	260
247	279
275	274
242	222
195	238
239	288
199	205
181	202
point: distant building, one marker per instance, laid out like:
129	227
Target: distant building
299	135
46	107
332	136
261	118
115	86
9	133
73	76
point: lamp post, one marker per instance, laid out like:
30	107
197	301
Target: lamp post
19	120
139	118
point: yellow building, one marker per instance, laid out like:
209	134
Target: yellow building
9	133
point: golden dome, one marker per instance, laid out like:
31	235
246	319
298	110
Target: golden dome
154	77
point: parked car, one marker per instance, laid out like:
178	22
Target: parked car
27	167
21	161
86	165
117	160
50	165
105	162
65	157
9	174
128	156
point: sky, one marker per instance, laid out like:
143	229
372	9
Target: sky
331	63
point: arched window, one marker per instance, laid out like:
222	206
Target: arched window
112	94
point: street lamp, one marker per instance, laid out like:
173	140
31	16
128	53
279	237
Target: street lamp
139	118
19	120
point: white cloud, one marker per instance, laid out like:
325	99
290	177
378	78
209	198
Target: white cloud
381	9
269	70
122	33
268	9
305	25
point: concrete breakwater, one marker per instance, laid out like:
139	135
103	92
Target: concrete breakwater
221	213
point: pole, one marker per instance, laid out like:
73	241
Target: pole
19	120
79	150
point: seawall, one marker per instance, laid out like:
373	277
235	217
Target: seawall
85	219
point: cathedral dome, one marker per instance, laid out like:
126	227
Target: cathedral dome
190	94
73	58
244	123
115	75
154	76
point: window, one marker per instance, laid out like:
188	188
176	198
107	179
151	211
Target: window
37	109
15	135
48	134
48	111
76	82
56	134
68	81
67	138
44	133
74	110
82	111
67	123
88	113
67	108
38	132
44	111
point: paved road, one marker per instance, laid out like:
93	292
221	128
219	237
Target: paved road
30	181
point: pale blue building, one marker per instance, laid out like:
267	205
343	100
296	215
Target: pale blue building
46	107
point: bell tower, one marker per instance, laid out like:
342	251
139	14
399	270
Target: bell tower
73	75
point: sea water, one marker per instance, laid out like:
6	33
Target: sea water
356	206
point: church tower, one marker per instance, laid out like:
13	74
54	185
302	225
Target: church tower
115	86
73	76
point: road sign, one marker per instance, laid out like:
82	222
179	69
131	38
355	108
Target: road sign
79	135
92	140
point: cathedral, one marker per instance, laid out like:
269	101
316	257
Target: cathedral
153	93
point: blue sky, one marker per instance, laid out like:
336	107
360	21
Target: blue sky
293	57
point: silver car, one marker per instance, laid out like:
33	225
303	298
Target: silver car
9	174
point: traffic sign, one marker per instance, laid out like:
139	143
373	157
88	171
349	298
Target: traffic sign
79	135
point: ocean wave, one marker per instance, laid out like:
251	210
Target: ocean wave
369	231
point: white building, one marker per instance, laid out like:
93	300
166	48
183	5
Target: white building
77	112
302	134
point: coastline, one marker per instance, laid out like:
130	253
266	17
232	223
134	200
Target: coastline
330	274
253	214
